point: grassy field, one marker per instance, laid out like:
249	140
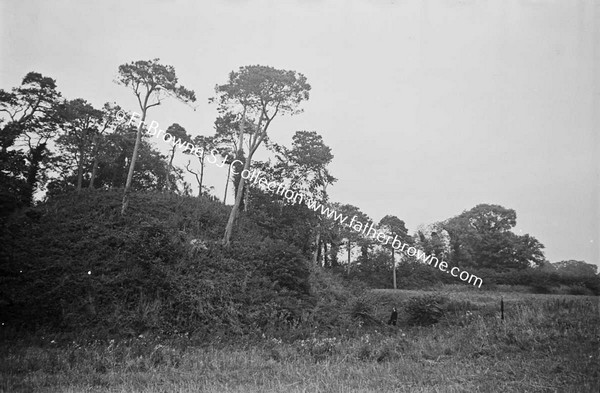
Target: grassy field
547	343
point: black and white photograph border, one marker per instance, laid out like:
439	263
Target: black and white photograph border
299	196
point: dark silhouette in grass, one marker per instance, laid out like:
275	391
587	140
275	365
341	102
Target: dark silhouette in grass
393	317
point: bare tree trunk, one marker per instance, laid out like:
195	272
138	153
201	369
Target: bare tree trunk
246	198
136	147
237	177
36	155
318	240
235	208
333	253
319	255
187	167
394	267
227	184
324	253
94	171
240	188
95	162
169	170
80	169
349	250
201	172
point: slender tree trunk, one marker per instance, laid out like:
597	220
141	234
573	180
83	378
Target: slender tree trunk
35	156
239	168
318	240
319	254
349	251
394	267
240	189
324	254
94	171
187	167
201	172
235	208
95	163
80	169
318	246
136	147
226	185
244	206
333	253
169	170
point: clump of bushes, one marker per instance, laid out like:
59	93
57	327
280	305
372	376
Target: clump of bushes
425	310
359	306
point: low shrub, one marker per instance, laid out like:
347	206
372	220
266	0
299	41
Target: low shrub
359	306
425	310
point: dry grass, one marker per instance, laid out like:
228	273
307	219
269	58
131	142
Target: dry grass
546	344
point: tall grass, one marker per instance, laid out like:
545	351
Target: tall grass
544	344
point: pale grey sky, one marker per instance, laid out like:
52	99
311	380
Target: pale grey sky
430	107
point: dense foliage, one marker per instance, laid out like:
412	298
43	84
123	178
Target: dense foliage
74	263
425	310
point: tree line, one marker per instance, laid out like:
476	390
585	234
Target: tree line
54	145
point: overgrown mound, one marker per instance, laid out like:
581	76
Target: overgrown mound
74	263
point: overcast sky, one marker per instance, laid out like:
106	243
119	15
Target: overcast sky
430	107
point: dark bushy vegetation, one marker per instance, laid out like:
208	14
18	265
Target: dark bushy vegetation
542	281
375	270
425	310
74	263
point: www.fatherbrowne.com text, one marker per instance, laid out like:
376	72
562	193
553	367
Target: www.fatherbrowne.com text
255	177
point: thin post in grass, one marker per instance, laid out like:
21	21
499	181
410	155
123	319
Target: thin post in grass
502	307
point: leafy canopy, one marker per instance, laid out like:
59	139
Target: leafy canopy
149	78
264	91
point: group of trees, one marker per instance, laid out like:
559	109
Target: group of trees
31	117
476	240
572	268
56	145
